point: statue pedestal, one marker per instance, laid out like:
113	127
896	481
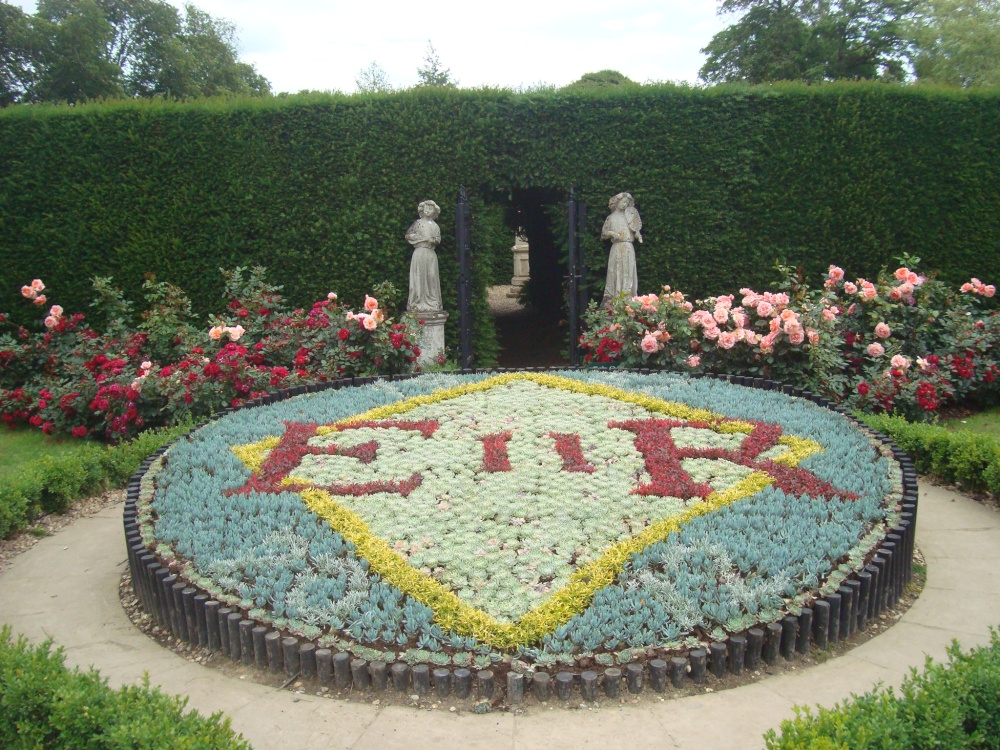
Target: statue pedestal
431	341
521	268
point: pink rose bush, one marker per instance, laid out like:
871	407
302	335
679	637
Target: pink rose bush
903	343
69	378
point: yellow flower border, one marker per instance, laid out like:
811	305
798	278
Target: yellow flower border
450	612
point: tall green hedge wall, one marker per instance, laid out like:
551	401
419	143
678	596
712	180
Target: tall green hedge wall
321	188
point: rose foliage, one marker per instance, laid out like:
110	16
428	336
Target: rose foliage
905	343
107	376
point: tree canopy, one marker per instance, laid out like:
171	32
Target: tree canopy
600	80
957	43
811	40
432	73
75	50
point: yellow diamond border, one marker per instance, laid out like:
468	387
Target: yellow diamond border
450	612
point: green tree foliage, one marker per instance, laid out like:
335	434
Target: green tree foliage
810	40
958	43
17	54
601	79
75	50
372	80
432	73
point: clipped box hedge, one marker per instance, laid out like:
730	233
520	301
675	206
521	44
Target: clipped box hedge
321	188
43	704
958	457
54	482
954	705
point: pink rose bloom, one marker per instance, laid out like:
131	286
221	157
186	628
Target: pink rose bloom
792	326
686	306
369	322
751	338
901	274
649	343
899	362
894	293
740	318
147	365
724	302
914	279
829	314
875	350
693	361
923	364
331	295
780	299
850	288
711	333
836	273
29	293
989	290
812	335
727	340
767	343
789	315
750	299
883	331
56	311
775	325
215	333
851	309
764	309
51	322
370	303
37	285
721	315
829	284
868	291
906	288
797	336
235	332
40	300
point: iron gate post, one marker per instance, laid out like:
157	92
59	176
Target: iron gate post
577	274
463	245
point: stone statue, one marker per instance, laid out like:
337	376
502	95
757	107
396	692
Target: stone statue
622	227
425	283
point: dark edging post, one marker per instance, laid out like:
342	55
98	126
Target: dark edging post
463	246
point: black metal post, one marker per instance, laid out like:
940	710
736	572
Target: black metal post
574	279
577	274
463	245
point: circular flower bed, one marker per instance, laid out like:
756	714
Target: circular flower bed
554	517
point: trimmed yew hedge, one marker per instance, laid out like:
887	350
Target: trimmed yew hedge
321	188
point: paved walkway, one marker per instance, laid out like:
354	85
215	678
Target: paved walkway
66	588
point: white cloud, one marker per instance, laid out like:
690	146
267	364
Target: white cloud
310	44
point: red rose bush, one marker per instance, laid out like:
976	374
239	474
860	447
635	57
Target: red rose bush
112	378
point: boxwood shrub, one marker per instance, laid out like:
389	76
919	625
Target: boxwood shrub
44	704
954	705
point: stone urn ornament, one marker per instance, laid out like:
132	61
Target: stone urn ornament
622	227
424	301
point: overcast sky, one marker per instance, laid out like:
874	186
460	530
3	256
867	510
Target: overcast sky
322	44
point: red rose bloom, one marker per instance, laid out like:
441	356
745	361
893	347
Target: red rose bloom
863	389
343	334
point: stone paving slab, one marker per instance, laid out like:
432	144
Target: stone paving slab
66	588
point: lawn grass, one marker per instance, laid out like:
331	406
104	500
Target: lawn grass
20	449
986	422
